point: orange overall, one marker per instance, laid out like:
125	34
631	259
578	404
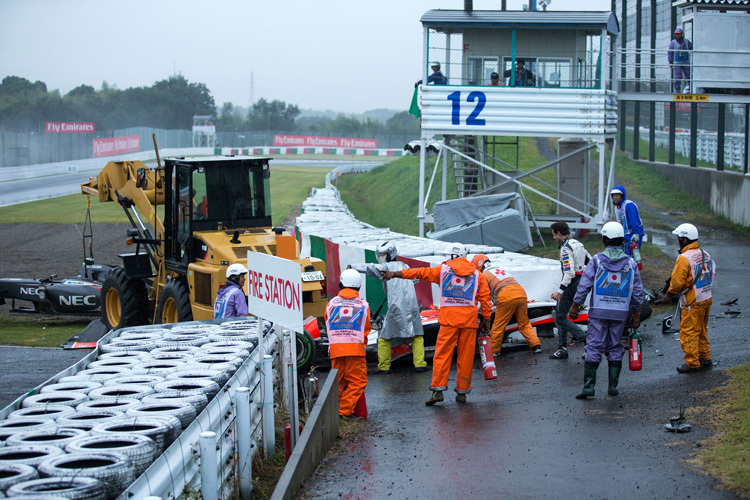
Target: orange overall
695	302
458	325
510	299
348	356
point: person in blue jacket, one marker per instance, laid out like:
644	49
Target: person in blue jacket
628	216
230	299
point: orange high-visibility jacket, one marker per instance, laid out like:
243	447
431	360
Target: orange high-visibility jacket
682	276
353	349
457	316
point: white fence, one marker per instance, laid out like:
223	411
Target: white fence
707	144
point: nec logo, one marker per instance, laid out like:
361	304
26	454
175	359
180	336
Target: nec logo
78	300
31	291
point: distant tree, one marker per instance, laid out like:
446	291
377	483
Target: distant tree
230	119
274	115
403	123
16	85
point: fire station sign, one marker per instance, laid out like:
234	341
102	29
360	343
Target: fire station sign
274	288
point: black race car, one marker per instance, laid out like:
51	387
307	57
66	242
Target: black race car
75	296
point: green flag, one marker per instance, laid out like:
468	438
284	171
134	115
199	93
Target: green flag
414	108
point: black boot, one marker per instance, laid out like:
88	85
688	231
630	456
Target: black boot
614	377
589	380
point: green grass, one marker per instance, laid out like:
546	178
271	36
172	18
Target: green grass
728	455
38	331
289	187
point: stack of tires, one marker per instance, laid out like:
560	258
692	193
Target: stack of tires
89	435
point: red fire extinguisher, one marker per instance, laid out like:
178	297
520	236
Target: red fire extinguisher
636	253
488	360
360	409
636	352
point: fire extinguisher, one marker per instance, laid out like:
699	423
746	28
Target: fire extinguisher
636	253
488	360
636	352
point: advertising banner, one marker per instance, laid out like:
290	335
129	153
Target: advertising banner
274	288
69	127
116	145
334	142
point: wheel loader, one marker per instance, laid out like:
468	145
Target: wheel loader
215	209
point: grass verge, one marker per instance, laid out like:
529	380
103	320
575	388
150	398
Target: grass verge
728	454
38	331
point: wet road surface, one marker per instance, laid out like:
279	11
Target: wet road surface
524	435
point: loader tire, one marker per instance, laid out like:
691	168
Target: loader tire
124	300
174	303
305	351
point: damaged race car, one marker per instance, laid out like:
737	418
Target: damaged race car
79	296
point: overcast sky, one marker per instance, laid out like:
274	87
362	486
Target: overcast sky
346	56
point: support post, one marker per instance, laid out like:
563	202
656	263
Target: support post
602	150
445	174
693	134
422	158
269	436
290	360
243	424
720	137
672	132
209	466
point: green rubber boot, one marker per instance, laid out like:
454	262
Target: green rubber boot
614	377
589	380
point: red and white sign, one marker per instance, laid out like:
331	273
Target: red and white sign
117	145
329	142
69	127
274	288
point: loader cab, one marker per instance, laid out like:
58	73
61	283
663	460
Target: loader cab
210	194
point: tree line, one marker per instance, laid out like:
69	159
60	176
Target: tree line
25	106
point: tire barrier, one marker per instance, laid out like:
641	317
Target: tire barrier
160	367
96	374
141	450
116	363
83	386
126	345
145	379
182	411
180	357
161	430
108	404
218	376
237	352
125	355
71	488
13	426
190	341
187	387
11	474
199	401
59	437
65	398
222	344
116	392
31	455
88	419
112	469
50	411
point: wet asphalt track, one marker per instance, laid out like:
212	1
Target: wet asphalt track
526	436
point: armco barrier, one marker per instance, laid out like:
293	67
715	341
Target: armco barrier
316	439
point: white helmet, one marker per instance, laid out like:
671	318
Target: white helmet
236	270
435	63
613	230
686	230
350	279
615	191
455	250
386	252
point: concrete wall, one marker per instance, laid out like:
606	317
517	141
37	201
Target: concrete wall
317	437
727	193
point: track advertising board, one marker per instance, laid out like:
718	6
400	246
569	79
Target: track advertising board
274	287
